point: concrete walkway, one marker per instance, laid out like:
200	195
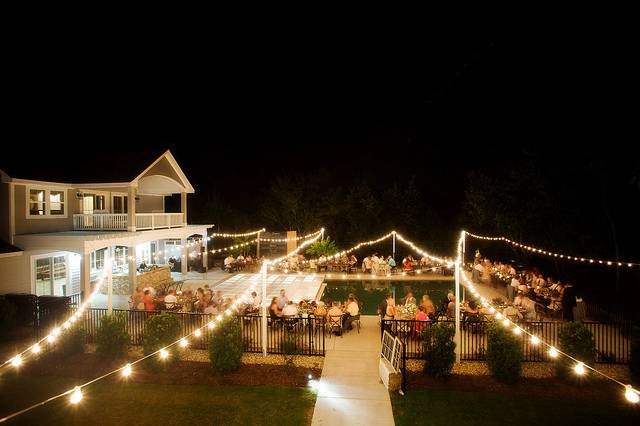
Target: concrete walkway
350	391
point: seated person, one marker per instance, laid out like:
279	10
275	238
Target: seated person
290	310
321	310
274	310
211	308
352	311
170	299
512	313
255	303
147	299
335	316
143	266
427	304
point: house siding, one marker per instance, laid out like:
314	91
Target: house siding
15	274
5	214
24	225
163	168
150	204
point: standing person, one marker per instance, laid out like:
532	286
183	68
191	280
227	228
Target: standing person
366	265
391	262
410	299
568	302
282	299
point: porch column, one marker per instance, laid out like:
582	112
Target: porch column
205	246
185	257
183	207
108	276
131	210
133	273
292	244
85	275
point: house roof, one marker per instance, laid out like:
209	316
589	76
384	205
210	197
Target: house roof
79	166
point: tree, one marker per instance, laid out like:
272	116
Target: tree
323	247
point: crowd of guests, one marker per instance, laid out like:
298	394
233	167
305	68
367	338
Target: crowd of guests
239	263
339	317
527	287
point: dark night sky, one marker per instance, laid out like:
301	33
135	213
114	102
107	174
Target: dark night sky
435	99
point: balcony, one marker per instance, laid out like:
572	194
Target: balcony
119	222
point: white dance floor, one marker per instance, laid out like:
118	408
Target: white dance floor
296	286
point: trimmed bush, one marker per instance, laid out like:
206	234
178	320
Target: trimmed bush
112	337
161	330
576	340
439	349
225	345
71	341
504	353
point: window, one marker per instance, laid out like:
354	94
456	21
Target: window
51	276
36	202
56	202
46	203
97	259
120	203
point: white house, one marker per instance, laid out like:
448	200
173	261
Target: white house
58	231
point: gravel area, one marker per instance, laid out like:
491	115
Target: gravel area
537	370
202	355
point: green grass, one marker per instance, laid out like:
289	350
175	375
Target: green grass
141	404
434	408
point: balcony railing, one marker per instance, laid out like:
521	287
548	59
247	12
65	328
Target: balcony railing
120	222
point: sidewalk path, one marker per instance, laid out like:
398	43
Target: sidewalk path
350	391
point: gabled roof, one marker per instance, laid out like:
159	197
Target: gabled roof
78	167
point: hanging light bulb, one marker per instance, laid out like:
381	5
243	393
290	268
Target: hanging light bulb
35	348
506	322
517	330
579	369
211	325
16	361
535	340
631	394
163	354
553	352
51	338
197	333
184	343
126	371
498	316
76	395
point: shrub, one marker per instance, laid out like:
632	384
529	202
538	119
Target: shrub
576	340
71	341
439	349
504	353
112	337
161	330
225	345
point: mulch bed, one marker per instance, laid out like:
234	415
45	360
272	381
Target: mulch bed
596	389
88	366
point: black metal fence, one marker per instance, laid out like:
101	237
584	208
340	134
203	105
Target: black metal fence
299	336
612	339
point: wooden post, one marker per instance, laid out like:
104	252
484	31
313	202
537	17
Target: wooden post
108	265
258	247
183	207
264	308
131	209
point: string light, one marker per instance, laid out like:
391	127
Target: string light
197	333
16	361
580	368
282	240
631	394
184	342
76	395
246	234
552	253
50	338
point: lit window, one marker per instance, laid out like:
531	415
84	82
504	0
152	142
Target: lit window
56	202
36	202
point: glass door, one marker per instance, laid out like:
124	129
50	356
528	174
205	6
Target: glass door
44	284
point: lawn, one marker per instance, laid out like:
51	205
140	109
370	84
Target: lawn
141	404
434	408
